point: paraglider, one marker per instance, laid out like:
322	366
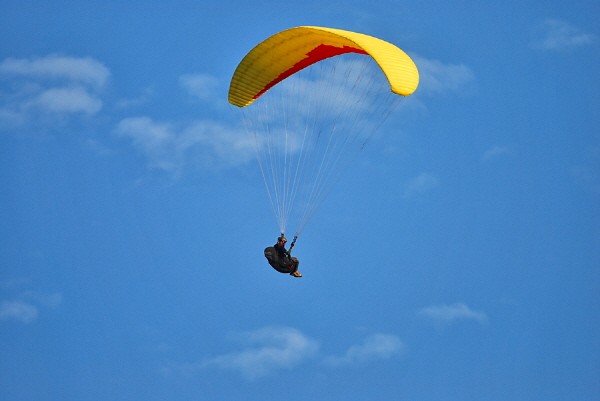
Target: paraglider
315	101
281	259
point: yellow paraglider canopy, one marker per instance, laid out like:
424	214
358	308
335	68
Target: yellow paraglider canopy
292	50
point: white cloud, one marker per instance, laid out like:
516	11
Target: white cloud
154	140
451	313
275	348
54	85
66	100
438	77
374	347
272	349
171	148
71	69
220	145
422	183
560	35
18	310
202	86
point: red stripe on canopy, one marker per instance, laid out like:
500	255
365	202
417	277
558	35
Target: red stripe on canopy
317	54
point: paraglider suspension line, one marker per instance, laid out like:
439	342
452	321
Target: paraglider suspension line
292	244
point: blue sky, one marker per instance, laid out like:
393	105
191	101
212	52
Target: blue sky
458	260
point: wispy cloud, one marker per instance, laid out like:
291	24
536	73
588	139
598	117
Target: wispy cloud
24	305
275	348
437	77
154	140
451	313
144	97
18	310
65	100
556	34
374	347
72	69
422	183
495	152
14	283
353	84
202	86
170	148
175	147
269	349
43	299
55	85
